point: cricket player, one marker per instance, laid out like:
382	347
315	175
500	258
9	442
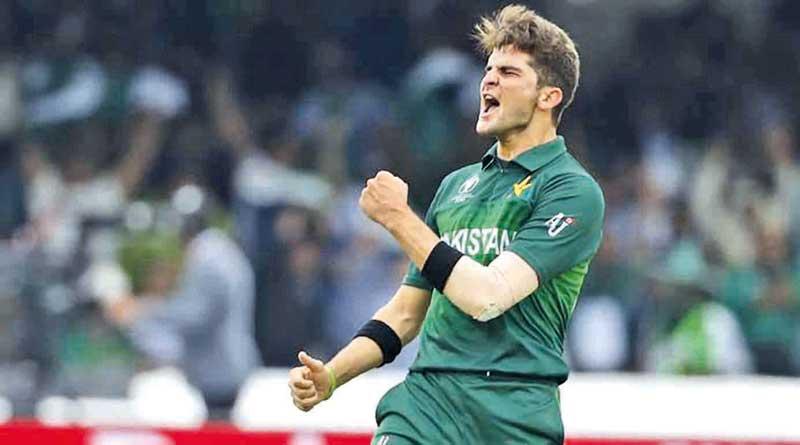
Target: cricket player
496	266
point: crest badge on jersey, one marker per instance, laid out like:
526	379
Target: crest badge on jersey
469	185
466	188
558	223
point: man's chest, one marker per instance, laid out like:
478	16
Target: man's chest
484	211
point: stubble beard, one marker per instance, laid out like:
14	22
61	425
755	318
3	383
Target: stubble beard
497	130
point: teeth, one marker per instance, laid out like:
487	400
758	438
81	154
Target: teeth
489	102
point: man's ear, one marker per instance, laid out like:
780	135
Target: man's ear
549	98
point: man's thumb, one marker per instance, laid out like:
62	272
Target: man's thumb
313	364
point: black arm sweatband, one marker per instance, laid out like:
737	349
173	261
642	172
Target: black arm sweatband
439	264
382	334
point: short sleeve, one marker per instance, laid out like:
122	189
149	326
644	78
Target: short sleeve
413	275
565	227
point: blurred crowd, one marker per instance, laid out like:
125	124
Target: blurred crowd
179	180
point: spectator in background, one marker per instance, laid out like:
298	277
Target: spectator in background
79	186
266	173
340	117
61	82
598	336
693	334
771	316
780	146
205	325
439	102
273	202
299	288
360	249
77	190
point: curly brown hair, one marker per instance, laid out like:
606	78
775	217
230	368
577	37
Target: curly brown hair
552	51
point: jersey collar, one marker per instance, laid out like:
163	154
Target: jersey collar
532	159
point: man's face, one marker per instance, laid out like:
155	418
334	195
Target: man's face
508	93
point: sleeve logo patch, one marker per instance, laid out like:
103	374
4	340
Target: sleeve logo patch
558	223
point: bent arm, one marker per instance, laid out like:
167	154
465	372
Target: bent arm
486	292
404	313
483	292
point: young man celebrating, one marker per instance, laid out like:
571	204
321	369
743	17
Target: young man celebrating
496	267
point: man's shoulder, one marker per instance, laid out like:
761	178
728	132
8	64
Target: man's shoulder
569	178
571	171
455	179
462	173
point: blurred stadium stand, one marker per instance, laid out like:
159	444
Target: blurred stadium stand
687	113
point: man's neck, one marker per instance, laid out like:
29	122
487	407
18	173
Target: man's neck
512	145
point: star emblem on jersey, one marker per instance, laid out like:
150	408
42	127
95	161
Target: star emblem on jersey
523	185
558	223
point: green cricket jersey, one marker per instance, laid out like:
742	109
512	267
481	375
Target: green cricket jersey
544	207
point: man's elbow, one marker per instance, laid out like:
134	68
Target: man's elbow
486	292
492	299
484	303
487	311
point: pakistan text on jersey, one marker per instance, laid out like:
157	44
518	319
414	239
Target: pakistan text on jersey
479	241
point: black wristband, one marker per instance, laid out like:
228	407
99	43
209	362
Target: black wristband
382	334
439	264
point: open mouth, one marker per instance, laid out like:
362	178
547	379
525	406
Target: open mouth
489	103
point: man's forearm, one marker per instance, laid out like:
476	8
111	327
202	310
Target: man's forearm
480	291
358	357
483	292
363	354
418	240
404	313
414	236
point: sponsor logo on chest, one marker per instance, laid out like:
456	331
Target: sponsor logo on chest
488	241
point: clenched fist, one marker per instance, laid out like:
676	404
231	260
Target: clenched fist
384	197
309	384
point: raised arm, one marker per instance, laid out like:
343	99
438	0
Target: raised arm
486	291
145	139
314	382
226	114
483	292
